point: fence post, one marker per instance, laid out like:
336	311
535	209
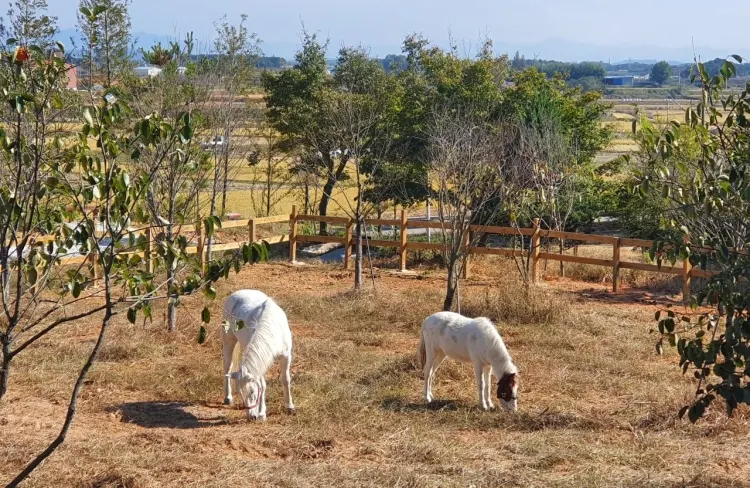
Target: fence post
95	267
402	257
687	276
149	253
293	235
535	241
348	244
468	239
251	230
616	265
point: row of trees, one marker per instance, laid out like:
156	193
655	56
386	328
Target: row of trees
388	134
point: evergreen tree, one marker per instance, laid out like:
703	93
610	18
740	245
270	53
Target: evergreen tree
105	32
28	23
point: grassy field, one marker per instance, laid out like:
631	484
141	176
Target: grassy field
597	407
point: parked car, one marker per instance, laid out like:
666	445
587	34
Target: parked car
214	143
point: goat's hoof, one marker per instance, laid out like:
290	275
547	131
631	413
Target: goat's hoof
227	401
291	411
257	418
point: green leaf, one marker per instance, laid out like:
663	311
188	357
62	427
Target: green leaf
131	315
87	117
206	315
240	324
696	412
657	315
202	335
210	292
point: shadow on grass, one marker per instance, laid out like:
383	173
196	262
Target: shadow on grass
171	415
522	421
396	404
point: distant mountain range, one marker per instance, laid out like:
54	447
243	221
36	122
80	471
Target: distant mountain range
552	49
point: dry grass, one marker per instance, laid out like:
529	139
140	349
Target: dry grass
654	282
597	408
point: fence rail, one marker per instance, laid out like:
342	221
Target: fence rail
534	252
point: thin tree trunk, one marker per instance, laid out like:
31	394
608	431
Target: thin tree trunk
269	176
225	183
210	244
324	199
450	293
72	406
358	258
5	369
171	306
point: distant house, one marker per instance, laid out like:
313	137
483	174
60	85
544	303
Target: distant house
618	80
71	71
72	75
147	71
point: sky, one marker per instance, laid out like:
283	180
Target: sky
578	27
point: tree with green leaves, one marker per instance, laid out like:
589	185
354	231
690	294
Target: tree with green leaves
160	56
359	112
661	72
28	23
105	33
294	107
84	195
231	75
700	169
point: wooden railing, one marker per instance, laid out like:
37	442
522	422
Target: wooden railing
534	252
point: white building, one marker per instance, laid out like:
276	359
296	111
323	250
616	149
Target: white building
147	71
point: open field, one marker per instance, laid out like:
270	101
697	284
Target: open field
596	408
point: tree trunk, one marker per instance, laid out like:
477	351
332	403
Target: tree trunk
225	182
5	369
210	244
562	265
72	407
450	293
324	199
429	218
358	258
269	177
171	306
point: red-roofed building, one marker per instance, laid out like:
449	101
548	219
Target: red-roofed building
72	73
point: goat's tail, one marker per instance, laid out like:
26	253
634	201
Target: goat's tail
422	349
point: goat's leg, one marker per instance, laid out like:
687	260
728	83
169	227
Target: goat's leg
430	356
437	360
285	363
479	373
487	372
262	408
229	343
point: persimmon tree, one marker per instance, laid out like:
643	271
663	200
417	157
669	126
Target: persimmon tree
83	195
706	195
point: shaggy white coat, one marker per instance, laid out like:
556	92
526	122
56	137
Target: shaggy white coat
475	341
264	338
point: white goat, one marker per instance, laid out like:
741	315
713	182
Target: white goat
475	341
264	338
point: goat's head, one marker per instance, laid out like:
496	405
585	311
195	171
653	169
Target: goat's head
507	391
251	391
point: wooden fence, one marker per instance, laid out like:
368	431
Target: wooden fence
534	235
